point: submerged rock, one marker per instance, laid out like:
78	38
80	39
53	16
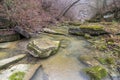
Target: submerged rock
114	75
31	72
43	47
88	60
91	30
16	72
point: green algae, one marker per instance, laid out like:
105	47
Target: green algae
17	76
93	27
96	72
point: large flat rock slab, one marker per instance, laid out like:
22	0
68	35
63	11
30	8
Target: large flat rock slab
20	68
6	62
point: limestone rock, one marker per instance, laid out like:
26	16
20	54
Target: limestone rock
50	31
43	47
81	10
6	62
19	68
7	35
91	30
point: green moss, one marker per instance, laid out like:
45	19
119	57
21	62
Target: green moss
107	60
17	76
93	27
96	72
110	60
87	36
102	60
102	47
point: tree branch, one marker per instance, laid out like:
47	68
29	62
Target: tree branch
67	9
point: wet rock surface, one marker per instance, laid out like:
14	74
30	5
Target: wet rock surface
43	47
74	55
9	61
10	74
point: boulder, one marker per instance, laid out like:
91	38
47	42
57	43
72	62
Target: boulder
43	47
79	9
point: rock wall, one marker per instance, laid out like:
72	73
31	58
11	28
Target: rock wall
81	10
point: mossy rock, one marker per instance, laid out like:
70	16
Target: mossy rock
96	72
17	76
92	27
43	48
7	35
107	60
87	36
102	47
93	30
82	31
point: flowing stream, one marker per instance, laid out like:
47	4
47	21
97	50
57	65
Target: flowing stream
65	65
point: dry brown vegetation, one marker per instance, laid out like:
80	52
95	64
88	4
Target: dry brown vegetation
26	13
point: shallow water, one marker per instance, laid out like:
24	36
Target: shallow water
65	65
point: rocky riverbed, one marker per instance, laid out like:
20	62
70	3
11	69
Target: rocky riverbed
73	60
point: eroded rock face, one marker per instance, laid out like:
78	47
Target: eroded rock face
81	10
7	35
43	47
